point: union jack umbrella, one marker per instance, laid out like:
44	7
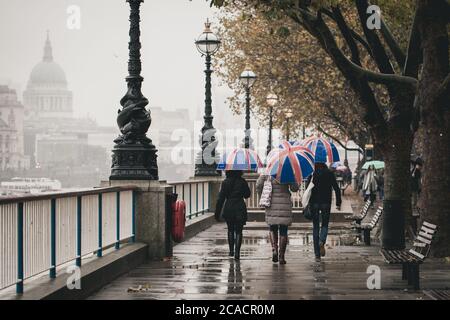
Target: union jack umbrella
285	144
292	164
240	160
324	150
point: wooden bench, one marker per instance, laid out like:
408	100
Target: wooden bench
437	294
412	259
367	227
359	217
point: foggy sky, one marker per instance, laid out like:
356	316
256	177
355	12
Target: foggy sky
95	57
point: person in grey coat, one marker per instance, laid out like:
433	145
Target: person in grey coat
279	216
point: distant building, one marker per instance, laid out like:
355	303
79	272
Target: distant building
46	95
12	156
169	144
57	143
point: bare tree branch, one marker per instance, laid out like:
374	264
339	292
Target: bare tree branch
393	44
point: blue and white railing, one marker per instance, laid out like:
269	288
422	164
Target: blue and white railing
196	194
39	233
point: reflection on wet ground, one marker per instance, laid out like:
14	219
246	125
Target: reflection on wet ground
201	269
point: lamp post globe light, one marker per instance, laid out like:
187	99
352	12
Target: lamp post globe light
207	44
272	100
289	115
248	79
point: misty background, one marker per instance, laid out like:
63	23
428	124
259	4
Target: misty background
94	59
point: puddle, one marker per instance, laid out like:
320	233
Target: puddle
306	239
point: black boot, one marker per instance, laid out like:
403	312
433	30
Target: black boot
238	243
231	243
283	246
274	242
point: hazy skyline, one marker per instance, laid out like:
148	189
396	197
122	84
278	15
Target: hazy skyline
95	56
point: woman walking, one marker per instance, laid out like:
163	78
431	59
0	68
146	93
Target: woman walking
320	205
370	185
232	208
279	215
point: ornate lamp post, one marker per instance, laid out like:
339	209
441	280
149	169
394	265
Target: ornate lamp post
134	155
272	100
248	79
289	115
207	44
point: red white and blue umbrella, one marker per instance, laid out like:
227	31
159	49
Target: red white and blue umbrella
240	160
292	164
285	144
324	150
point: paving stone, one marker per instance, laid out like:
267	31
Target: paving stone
201	269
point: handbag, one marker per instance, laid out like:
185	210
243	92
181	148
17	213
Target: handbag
307	213
307	194
266	196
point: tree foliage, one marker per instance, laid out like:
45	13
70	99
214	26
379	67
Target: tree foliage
290	63
399	71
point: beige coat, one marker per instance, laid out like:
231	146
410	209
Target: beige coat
280	211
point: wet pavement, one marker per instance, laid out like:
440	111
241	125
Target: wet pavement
201	269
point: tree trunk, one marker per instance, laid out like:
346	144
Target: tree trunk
397	190
435	121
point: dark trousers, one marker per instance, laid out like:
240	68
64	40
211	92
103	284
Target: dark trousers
275	228
320	232
372	197
235	228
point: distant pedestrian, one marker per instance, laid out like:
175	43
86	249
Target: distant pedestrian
279	215
416	183
320	204
380	183
232	208
370	185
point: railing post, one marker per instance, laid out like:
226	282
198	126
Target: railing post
209	196
100	226
53	239
78	260
20	275
190	201
133	217
203	198
196	199
117	246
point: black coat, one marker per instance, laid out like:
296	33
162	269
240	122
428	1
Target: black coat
231	200
324	181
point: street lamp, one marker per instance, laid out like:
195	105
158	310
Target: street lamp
272	100
289	115
248	79
134	155
207	44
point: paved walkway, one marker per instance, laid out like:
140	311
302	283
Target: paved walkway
200	269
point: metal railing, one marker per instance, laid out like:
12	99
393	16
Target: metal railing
38	233
253	201
196	194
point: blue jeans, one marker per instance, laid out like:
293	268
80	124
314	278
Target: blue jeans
320	232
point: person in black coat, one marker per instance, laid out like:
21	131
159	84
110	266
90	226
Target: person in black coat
320	203
232	208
